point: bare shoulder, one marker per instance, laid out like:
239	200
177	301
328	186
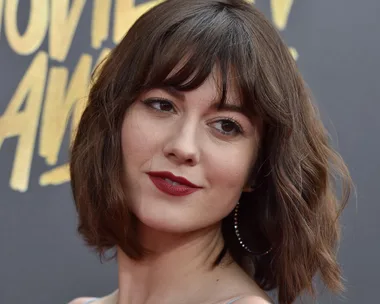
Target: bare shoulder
253	300
81	300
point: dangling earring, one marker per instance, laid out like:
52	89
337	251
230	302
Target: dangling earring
236	227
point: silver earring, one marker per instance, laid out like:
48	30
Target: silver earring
236	227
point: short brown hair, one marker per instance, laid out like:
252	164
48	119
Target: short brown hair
293	208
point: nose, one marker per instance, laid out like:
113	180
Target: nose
182	145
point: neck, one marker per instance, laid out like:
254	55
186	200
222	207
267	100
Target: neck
172	270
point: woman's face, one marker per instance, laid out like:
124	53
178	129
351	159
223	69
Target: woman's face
186	162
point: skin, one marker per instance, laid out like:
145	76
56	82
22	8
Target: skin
188	136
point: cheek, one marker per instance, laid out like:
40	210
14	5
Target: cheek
139	137
231	167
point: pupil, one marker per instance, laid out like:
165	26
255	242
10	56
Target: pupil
228	126
166	106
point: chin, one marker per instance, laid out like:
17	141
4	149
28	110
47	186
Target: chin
165	224
170	221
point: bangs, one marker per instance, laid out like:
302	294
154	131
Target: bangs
189	51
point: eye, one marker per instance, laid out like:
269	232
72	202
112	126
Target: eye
158	104
228	127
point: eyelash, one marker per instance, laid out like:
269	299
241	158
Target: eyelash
149	103
238	128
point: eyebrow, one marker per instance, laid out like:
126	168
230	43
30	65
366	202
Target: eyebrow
216	106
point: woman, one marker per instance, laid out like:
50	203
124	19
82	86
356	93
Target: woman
201	160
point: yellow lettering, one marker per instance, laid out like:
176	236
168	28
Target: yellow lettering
81	103
24	123
57	176
59	104
100	22
294	53
280	12
1	14
30	41
103	55
126	14
63	23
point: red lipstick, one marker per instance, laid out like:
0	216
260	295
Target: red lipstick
170	184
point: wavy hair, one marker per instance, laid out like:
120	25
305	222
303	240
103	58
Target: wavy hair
293	207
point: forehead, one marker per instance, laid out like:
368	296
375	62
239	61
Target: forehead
216	88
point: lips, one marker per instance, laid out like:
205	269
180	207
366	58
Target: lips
171	184
170	176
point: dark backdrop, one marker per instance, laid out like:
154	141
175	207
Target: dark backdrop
44	75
